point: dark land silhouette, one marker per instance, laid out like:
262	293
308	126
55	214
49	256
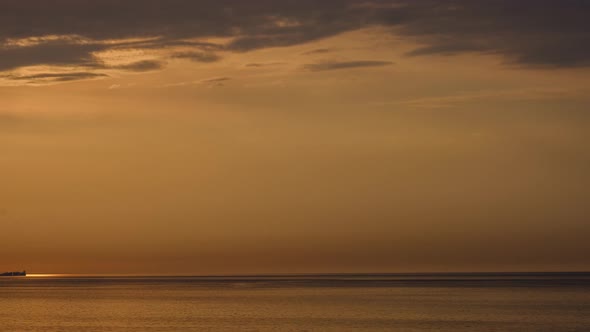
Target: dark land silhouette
14	274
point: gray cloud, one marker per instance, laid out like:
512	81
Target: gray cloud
215	80
543	33
244	44
449	48
197	56
336	65
145	65
52	52
317	51
172	20
266	64
57	77
539	33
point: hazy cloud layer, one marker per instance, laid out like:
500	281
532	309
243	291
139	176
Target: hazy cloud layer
538	33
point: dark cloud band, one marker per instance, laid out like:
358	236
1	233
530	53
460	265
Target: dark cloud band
57	77
335	65
539	33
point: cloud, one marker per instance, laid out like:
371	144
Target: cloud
543	33
211	82
51	52
141	66
197	56
317	51
56	77
489	96
539	33
214	80
173	20
449	48
245	44
336	65
260	65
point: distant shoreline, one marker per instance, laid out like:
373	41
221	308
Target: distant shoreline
340	276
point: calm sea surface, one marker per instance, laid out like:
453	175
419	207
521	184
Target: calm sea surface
419	302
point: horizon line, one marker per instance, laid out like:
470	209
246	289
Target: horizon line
335	274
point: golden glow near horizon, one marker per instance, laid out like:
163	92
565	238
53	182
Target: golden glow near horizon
45	275
362	148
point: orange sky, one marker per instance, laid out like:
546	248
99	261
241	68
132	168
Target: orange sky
361	148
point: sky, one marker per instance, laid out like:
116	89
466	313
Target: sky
278	136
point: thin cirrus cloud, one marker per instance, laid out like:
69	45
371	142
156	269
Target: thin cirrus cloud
210	82
261	65
59	77
539	33
339	65
52	77
317	51
215	80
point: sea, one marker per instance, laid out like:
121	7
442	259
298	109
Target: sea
331	302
